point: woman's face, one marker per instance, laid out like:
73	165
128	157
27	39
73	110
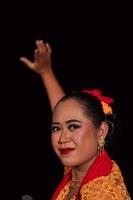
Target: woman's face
74	136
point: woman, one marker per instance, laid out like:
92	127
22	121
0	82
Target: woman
82	123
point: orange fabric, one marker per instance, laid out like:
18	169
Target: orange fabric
101	167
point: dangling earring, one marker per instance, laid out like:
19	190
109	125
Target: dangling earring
100	145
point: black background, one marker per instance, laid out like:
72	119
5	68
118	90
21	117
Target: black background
92	48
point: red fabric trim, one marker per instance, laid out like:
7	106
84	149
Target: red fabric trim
62	184
101	167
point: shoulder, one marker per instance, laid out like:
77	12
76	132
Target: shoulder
110	187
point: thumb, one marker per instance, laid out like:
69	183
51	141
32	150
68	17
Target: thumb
27	62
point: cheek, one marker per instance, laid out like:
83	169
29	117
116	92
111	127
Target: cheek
54	140
87	139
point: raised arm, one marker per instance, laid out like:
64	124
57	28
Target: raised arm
42	65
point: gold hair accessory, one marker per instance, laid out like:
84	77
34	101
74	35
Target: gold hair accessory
106	108
104	100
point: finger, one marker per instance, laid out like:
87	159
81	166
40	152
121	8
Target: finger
41	47
27	62
49	48
36	55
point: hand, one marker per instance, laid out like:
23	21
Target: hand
42	58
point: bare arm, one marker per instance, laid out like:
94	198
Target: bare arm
42	65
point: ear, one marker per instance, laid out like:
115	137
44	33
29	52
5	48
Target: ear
103	130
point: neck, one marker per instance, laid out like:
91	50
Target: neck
80	171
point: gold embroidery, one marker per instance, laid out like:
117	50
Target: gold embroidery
66	170
63	193
111	187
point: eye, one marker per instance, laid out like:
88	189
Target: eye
73	126
55	129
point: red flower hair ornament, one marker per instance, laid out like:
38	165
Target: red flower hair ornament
104	100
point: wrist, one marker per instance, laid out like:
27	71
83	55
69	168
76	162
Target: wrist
45	73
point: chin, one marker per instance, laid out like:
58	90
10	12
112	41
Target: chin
69	163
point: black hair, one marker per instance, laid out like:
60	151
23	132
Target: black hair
94	110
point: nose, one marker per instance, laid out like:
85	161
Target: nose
64	137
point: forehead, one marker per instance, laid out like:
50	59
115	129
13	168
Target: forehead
69	109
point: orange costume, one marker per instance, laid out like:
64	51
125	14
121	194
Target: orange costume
103	181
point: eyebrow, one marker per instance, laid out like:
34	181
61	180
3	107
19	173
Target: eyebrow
72	120
67	122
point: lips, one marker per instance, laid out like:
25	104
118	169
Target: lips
66	150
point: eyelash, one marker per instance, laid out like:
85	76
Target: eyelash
70	127
73	126
55	129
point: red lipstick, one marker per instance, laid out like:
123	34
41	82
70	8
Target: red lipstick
66	150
